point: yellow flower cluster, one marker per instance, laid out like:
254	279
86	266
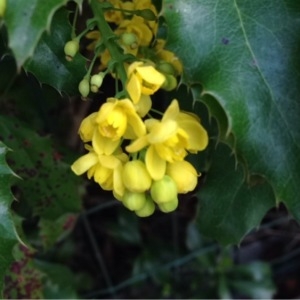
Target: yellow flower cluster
137	36
151	170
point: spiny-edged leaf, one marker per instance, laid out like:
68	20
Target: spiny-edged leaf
245	54
48	187
8	235
26	21
52	231
24	280
59	283
229	207
49	63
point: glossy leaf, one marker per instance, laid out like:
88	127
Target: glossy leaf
48	187
8	235
230	207
245	55
49	64
26	21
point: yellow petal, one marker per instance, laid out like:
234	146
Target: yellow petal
134	88
151	75
83	163
118	185
184	175
108	161
102	174
156	166
172	111
87	127
162	131
103	145
198	138
138	144
143	106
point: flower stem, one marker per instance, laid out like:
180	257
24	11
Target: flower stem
108	38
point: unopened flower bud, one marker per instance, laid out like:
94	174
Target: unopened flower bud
184	175
96	82
84	87
170	83
71	48
164	190
166	68
129	39
136	177
168	206
133	200
2	8
148	209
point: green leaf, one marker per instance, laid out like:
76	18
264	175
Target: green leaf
53	231
8	235
245	55
229	207
48	186
26	21
24	280
49	64
59	282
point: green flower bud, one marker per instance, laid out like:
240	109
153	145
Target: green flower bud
148	209
134	201
2	8
129	39
96	81
164	190
147	14
170	83
71	48
168	206
166	68
84	87
136	177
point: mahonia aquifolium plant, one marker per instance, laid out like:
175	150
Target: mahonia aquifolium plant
139	158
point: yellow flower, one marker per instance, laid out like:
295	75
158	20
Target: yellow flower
118	118
87	127
136	177
137	27
184	175
143	80
105	169
169	140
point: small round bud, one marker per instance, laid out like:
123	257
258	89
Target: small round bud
168	206
136	177
129	39
96	82
148	209
166	68
170	83
163	190
84	87
71	48
134	201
